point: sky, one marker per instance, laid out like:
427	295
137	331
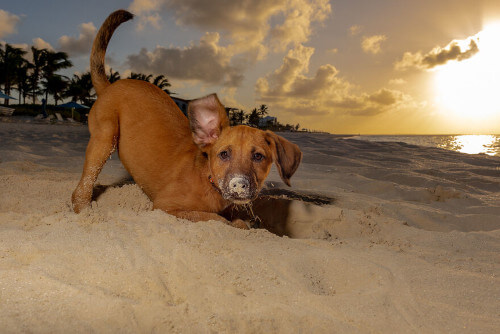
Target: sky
358	67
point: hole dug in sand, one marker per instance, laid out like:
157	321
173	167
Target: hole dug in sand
286	213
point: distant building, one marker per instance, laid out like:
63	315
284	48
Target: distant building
267	121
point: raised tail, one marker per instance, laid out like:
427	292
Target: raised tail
97	70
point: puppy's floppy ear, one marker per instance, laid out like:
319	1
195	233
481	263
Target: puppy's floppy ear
207	118
286	155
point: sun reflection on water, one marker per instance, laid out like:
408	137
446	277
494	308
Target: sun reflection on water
471	144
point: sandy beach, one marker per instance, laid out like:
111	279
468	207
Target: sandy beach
372	237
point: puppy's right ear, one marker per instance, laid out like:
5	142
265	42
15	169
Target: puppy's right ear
286	155
207	118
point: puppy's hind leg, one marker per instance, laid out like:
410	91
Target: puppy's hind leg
102	143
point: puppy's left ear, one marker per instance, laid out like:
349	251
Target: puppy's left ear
286	155
207	118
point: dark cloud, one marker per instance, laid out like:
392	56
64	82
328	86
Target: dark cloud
384	97
314	86
80	45
207	62
454	51
222	14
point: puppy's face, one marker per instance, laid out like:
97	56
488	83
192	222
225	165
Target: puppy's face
239	157
240	161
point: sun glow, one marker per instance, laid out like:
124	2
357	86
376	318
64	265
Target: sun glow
470	89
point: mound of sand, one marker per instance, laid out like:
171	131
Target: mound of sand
372	237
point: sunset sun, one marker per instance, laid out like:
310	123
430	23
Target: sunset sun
470	89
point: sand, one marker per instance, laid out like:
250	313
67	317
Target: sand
372	237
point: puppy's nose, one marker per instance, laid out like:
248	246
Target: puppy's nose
239	186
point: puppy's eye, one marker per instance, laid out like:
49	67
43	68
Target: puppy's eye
224	155
257	157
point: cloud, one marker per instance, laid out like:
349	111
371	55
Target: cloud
397	81
153	20
206	61
456	50
23	46
41	44
142	6
289	80
384	97
371	44
80	45
216	14
249	26
290	89
296	27
251	29
355	29
227	97
246	23
8	23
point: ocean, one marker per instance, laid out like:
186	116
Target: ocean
471	144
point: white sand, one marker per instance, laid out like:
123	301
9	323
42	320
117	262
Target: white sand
411	243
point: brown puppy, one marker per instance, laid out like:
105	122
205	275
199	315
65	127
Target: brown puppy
191	169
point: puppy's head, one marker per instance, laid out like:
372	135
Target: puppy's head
239	157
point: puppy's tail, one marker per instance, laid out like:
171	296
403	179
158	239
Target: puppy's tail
97	70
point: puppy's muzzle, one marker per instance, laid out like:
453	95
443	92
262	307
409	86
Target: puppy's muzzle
239	189
239	186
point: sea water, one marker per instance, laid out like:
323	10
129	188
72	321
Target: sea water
471	144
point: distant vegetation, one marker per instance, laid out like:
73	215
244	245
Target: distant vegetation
256	118
36	79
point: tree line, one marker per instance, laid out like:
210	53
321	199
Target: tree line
255	118
37	77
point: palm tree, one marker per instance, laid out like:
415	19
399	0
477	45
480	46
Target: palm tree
113	76
262	111
22	81
141	76
55	85
254	118
162	82
36	71
10	59
237	116
80	89
53	62
241	116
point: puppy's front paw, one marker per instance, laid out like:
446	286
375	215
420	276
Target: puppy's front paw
238	223
80	200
